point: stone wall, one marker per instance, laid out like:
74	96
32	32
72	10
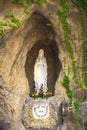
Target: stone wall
15	47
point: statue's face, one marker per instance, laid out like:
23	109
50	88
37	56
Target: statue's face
41	53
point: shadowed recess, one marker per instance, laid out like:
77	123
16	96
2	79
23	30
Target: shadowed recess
45	39
54	65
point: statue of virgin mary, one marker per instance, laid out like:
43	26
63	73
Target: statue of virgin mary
40	72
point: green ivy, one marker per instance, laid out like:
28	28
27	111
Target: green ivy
63	18
40	2
1	31
12	17
84	53
77	106
24	4
85	125
49	24
19	1
65	83
3	25
82	4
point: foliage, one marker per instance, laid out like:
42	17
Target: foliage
65	83
82	4
85	125
19	1
1	31
12	17
24	4
40	2
41	93
63	18
69	92
49	24
3	25
14	23
84	53
77	106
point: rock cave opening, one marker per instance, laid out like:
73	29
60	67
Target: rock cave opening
41	35
4	126
53	63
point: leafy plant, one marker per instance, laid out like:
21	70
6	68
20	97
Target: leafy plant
85	125
19	1
24	4
3	25
40	2
41	93
82	4
63	18
12	17
49	24
84	53
77	106
65	83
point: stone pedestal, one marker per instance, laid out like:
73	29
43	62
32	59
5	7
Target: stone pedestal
40	113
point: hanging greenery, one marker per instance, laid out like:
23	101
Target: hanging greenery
82	5
3	25
62	13
84	52
40	2
30	2
24	4
12	18
65	83
63	18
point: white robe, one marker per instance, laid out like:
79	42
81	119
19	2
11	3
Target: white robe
40	74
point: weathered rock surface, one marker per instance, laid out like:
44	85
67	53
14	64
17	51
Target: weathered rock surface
14	47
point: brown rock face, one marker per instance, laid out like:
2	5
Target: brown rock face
18	51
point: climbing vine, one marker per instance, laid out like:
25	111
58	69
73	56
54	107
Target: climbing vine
85	125
40	2
62	13
12	18
84	53
77	107
3	25
70	95
63	18
66	85
82	5
14	22
24	4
